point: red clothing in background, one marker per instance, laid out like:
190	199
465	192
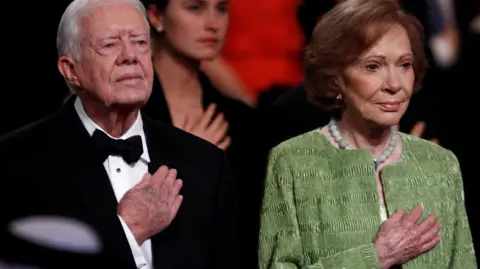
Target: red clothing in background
264	42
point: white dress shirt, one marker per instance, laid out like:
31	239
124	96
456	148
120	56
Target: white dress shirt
123	177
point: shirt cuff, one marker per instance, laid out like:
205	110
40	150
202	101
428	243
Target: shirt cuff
134	247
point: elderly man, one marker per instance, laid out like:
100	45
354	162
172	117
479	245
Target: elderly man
156	196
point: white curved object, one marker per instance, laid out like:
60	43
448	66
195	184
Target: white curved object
58	233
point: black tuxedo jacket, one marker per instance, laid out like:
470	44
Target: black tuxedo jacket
51	168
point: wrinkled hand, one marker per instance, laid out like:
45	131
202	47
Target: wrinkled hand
418	129
214	130
401	239
150	206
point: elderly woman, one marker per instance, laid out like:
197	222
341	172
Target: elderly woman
356	193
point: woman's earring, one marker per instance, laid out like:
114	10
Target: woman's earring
339	97
159	28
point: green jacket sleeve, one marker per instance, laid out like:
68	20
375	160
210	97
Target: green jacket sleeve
463	254
280	244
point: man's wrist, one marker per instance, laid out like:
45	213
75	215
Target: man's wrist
134	229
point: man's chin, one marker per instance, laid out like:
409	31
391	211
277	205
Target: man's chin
131	99
130	105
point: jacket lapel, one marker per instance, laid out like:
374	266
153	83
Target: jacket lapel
161	152
89	184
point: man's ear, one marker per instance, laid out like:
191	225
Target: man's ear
66	66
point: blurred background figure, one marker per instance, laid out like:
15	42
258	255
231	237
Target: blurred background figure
185	34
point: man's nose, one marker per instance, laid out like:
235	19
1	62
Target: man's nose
128	54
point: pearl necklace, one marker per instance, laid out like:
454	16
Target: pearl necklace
333	128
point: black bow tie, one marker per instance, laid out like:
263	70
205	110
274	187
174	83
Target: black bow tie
130	149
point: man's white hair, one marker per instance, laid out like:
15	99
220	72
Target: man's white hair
69	32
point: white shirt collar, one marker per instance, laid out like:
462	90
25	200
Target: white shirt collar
135	129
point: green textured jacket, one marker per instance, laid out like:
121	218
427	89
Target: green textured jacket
321	209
